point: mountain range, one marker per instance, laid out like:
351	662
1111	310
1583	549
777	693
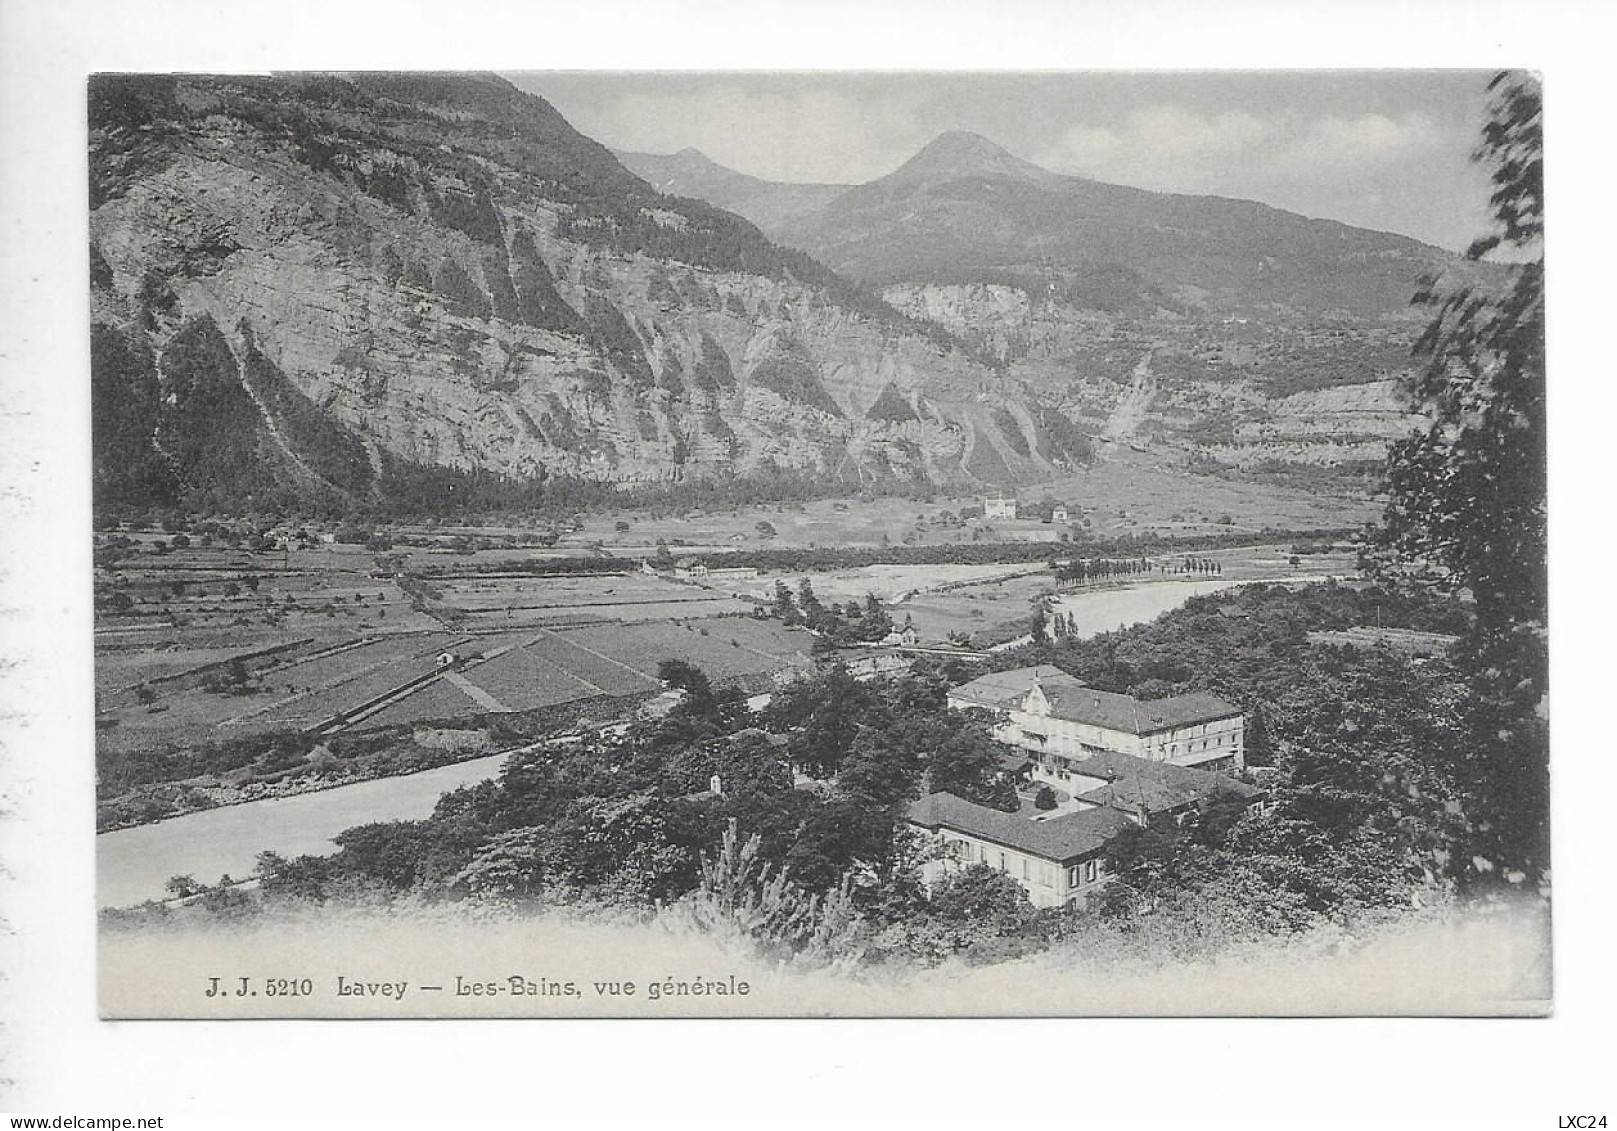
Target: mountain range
359	290
964	209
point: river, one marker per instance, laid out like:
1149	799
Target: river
1107	610
132	865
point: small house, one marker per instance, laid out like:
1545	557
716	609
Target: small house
999	507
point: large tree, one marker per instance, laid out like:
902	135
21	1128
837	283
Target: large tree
1468	493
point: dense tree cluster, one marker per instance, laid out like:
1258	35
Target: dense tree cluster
1367	746
854	622
1468	494
1082	570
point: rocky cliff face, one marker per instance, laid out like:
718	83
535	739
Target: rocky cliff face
321	286
1309	405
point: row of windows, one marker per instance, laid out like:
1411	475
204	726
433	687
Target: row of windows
1082	873
1085	873
1190	747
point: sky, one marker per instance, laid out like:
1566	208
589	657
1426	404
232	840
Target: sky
1380	149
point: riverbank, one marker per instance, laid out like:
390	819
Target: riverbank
134	864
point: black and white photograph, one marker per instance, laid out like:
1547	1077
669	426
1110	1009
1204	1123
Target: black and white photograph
804	543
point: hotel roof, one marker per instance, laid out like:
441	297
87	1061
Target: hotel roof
1003	689
1156	787
1075	701
1059	839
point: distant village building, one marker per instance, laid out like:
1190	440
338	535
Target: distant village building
697	569
999	507
906	637
448	659
1058	513
1062	721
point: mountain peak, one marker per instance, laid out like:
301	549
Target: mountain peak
695	156
961	153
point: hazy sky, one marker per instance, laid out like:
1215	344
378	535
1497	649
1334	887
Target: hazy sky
1379	149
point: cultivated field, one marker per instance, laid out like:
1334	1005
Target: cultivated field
196	643
980	608
227	655
481	602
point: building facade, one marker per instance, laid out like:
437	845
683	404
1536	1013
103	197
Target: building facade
1062	721
1060	856
1059	861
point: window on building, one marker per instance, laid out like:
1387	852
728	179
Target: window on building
1073	875
1089	872
1025	873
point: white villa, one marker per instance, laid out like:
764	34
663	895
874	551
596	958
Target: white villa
1060	862
1062	721
999	507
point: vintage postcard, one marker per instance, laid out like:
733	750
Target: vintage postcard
581	544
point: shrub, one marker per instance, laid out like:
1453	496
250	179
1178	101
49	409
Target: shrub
740	897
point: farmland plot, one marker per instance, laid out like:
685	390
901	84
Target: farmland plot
523	680
118	669
974	608
556	592
709	606
722	649
305	710
329	671
439	699
538	600
613	678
